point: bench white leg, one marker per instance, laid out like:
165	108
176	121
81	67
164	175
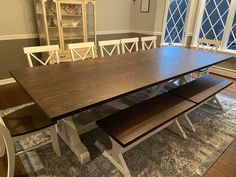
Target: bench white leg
218	103
214	102
68	132
115	156
185	122
55	142
176	128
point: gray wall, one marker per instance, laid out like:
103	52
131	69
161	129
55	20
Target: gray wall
113	15
12	56
17	17
140	20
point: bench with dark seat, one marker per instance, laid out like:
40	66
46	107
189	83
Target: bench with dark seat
133	125
129	125
202	88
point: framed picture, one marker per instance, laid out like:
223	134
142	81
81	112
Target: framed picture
145	5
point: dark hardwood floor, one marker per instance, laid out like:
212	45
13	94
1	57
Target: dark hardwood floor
225	166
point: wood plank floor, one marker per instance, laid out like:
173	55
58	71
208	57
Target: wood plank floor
223	167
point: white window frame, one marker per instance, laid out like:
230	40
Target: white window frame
186	25
227	30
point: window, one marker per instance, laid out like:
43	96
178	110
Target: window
217	21
214	19
232	38
175	21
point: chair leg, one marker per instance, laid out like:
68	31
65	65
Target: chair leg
2	146
6	136
55	142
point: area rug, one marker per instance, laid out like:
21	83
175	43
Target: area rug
163	155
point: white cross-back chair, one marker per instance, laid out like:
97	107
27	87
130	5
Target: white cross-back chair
30	52
89	49
19	124
114	44
129	45
209	46
149	42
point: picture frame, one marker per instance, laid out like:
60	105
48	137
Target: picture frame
145	6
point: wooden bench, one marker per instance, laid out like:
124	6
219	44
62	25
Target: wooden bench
201	91
131	126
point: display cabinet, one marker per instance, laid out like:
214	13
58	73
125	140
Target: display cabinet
65	21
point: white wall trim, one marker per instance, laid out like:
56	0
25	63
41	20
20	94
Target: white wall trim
7	81
223	71
34	36
18	36
146	32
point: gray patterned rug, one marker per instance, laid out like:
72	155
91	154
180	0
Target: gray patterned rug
163	155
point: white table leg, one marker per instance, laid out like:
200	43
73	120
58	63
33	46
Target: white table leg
68	132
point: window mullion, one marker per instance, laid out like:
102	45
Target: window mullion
165	21
199	21
228	25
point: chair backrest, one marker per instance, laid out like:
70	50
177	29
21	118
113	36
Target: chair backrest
88	46
129	45
208	44
115	44
30	51
149	42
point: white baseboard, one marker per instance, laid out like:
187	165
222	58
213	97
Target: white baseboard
223	71
7	81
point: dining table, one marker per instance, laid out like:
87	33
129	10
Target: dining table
62	90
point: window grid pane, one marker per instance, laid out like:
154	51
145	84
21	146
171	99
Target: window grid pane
232	38
214	19
176	20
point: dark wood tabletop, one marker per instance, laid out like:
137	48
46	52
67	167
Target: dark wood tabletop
64	89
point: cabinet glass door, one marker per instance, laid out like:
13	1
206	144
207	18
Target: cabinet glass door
47	22
71	23
52	22
90	11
